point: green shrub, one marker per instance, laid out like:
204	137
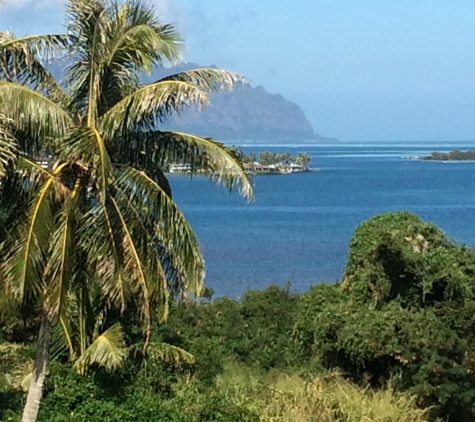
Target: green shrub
254	329
125	397
283	396
397	256
405	311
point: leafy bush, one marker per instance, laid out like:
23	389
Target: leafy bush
405	310
255	329
397	256
404	314
100	397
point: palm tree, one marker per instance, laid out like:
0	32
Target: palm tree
303	159
100	229
19	62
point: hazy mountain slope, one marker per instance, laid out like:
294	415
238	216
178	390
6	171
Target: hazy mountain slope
246	113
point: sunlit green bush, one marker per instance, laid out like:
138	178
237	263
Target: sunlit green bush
397	256
404	315
405	311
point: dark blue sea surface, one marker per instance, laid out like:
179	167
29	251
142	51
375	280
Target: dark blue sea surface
299	227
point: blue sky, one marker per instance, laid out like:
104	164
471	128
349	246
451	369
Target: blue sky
362	70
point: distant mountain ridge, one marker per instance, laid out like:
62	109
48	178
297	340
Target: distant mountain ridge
245	114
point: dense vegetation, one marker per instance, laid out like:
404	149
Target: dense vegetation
98	265
455	155
95	233
394	337
267	158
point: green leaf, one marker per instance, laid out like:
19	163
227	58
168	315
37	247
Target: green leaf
23	269
108	350
170	354
8	146
166	222
43	119
154	102
208	79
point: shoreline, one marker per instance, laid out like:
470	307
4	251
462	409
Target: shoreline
273	173
416	158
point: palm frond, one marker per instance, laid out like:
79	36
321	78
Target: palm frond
138	41
146	152
24	266
31	171
168	353
169	43
31	112
52	89
208	79
44	47
155	265
115	252
62	341
102	163
203	154
82	321
23	59
135	267
59	269
101	235
8	148
108	351
154	102
27	195
166	222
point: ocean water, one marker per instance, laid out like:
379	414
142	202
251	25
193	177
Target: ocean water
299	227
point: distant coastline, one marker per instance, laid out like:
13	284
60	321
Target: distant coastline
264	163
454	155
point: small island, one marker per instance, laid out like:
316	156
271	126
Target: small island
268	162
454	155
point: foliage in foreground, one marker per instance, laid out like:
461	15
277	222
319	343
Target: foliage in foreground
405	310
286	396
268	356
241	394
98	230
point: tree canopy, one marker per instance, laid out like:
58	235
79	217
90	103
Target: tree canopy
98	228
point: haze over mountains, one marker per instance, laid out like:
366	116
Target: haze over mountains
246	113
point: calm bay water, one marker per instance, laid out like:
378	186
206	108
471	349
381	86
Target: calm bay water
299	227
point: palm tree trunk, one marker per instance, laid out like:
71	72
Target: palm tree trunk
35	392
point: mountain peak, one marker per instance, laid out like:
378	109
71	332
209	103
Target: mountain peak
246	113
